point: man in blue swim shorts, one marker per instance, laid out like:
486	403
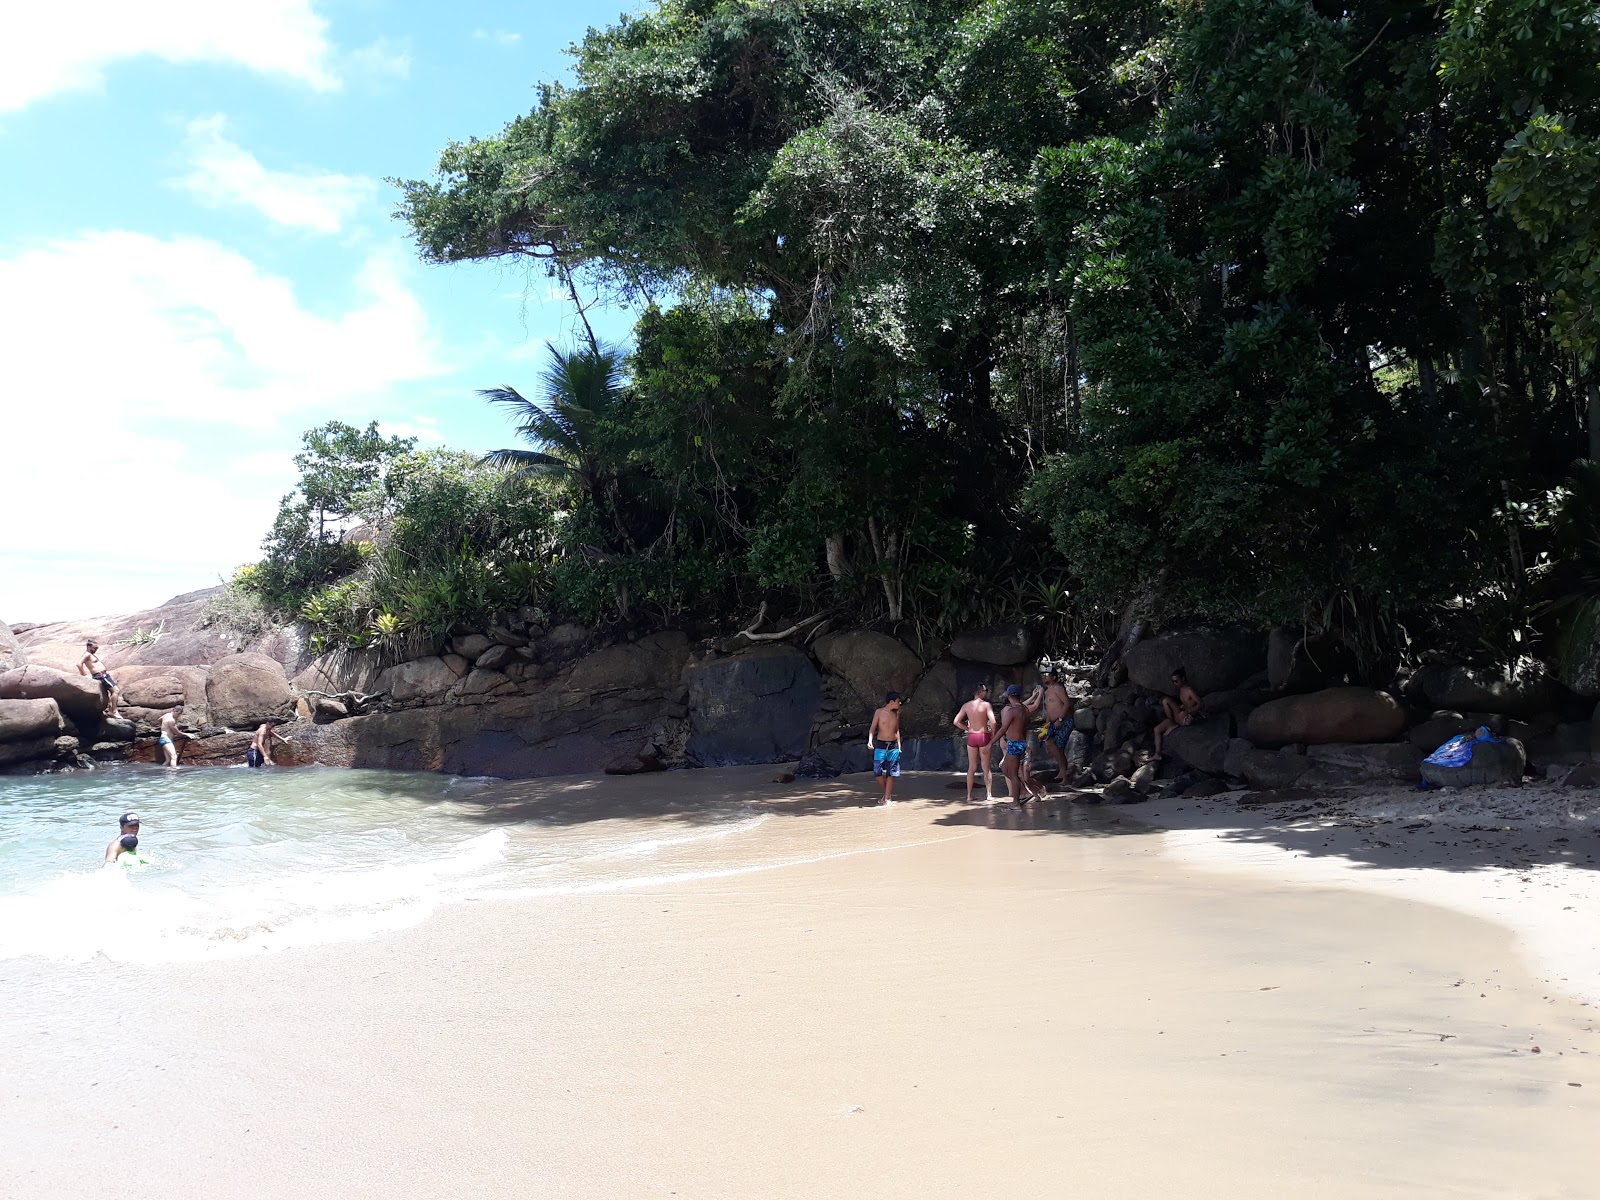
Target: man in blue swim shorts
1014	728
1058	714
885	728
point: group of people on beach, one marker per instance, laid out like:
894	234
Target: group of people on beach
983	729
169	734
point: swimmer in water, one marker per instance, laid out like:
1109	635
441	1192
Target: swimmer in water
128	845
129	826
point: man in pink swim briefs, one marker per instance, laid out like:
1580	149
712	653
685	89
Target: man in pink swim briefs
976	720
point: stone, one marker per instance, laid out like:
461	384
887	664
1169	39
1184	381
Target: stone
1120	791
1203	745
470	645
1296	663
1568	744
1383	760
654	662
1144	779
1005	645
634	764
1438	729
12	655
325	710
1473	689
246	689
223	748
506	637
756	706
77	696
1215	660
27	751
1204	788
422	679
1273	768
116	729
1499	762
564	641
459	666
1584	775
495	657
162	690
1341	714
29	720
1078	748
337	672
870	664
485	683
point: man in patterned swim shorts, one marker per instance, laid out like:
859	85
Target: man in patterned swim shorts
1014	728
1058	713
885	728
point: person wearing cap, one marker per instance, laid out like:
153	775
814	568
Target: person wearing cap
1058	706
885	728
1014	728
128	826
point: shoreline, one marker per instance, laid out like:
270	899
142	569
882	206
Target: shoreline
930	1000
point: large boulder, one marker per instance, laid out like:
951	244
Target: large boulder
1438	729
422	679
1203	745
30	720
1341	714
1007	645
12	655
1382	760
651	662
246	689
756	706
1474	689
870	663
1215	660
78	696
36	748
1497	762
1296	663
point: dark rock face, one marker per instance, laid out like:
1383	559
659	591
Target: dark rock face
1341	714
870	663
756	706
1439	729
1215	660
997	645
1203	745
1492	763
246	689
77	695
1469	689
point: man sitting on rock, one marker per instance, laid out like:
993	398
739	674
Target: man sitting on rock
1185	710
170	733
91	666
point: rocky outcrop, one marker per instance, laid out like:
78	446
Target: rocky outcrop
870	663
1497	762
12	655
756	706
1341	714
1215	660
30	720
246	689
77	695
1203	745
1474	689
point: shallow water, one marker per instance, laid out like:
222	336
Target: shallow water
244	862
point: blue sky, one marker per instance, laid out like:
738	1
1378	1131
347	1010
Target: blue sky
198	262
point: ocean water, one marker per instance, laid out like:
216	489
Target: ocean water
248	862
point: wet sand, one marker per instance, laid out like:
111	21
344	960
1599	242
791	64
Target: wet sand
935	1004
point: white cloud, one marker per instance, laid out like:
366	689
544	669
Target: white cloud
383	59
147	379
500	37
225	173
51	48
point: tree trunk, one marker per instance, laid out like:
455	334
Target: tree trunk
838	564
886	547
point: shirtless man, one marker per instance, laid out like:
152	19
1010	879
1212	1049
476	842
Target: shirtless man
91	666
170	733
1058	709
260	751
1014	728
1185	710
127	826
885	728
976	720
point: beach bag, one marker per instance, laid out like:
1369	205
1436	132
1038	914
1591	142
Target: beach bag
1457	752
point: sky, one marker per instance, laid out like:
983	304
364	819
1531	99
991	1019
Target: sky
199	262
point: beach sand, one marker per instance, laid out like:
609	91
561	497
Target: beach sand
844	1001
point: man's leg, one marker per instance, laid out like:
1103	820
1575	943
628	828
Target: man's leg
1008	768
988	771
1162	730
972	769
1059	755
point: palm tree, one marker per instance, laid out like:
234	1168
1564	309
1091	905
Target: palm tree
574	427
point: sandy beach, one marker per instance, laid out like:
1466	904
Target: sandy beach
847	1001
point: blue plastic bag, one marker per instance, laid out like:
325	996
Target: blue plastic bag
1457	752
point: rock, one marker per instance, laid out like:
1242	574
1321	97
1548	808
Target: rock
246	689
77	696
1215	660
506	637
1144	779
1498	762
27	751
325	710
12	655
870	663
115	729
1384	760
1584	775
458	665
634	764
1341	714
1472	689
337	672
470	645
1204	788
1006	645
1202	745
1272	768
495	657
422	679
29	720
1296	663
1577	651
1077	748
1120	791
156	691
220	749
1568	744
816	765
485	683
1439	729
654	662
756	706
563	642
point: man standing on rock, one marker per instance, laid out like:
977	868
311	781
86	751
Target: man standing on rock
1014	728
91	666
976	720
885	728
1058	709
170	733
